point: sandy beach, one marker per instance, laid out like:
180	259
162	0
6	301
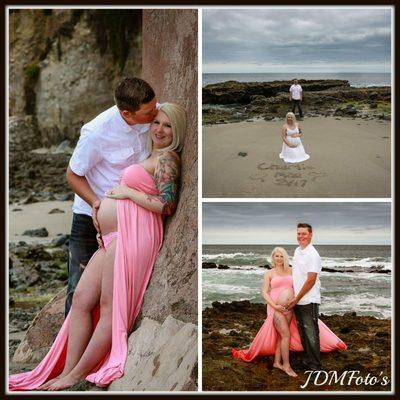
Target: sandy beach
35	216
348	158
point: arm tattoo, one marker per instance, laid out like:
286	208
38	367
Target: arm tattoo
167	181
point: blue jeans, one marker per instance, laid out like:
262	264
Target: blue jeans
82	245
297	103
307	322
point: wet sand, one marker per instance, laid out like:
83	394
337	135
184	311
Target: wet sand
35	216
348	158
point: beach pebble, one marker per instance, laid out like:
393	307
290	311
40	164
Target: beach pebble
41	232
242	154
56	211
60	240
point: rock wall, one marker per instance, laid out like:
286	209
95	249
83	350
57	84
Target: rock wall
170	66
64	65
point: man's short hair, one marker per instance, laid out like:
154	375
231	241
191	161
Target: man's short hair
131	93
304	225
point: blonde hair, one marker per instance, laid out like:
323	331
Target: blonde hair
177	117
290	114
284	254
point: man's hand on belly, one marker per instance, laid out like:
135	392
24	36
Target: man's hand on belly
95	209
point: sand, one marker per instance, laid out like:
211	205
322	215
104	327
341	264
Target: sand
36	215
348	158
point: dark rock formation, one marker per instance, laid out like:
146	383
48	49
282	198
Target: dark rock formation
238	101
245	92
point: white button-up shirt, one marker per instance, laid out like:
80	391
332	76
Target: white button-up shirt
295	91
304	261
106	146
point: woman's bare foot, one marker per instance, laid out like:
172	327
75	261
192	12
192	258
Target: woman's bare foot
289	371
46	385
278	365
65	382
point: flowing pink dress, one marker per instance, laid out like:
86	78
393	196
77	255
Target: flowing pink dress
264	344
139	239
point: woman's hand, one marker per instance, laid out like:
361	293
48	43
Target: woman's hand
119	192
296	135
280	308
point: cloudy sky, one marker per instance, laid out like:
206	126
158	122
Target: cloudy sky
275	223
296	40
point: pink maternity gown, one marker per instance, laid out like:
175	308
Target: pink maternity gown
139	240
264	344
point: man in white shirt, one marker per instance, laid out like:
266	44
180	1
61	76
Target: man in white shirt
306	270
296	97
110	142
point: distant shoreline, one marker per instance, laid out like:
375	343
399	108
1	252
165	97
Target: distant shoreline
356	79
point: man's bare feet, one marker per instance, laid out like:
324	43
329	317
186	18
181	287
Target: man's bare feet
65	382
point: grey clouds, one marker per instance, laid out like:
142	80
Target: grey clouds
290	40
275	223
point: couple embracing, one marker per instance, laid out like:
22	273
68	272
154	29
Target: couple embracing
293	297
125	174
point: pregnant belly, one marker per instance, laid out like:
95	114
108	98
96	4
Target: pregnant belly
107	216
285	296
293	141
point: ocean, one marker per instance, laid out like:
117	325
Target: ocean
366	293
355	79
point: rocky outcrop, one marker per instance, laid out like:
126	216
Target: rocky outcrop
245	92
164	354
64	65
42	332
238	101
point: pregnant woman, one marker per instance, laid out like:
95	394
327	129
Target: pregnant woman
279	333
92	342
292	148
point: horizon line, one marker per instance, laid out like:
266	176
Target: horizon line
297	72
295	244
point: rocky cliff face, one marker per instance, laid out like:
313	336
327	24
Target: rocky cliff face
64	65
170	65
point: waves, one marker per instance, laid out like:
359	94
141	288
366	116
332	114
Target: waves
350	285
253	260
